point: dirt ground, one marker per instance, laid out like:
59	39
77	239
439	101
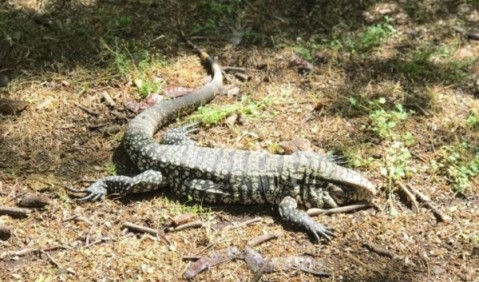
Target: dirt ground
391	87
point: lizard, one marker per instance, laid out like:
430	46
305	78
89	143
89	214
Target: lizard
229	176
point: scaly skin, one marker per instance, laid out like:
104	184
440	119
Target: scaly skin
227	175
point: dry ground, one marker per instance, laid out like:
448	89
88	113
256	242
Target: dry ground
62	57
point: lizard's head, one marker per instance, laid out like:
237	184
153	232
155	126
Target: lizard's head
329	184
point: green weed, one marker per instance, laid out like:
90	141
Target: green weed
111	169
137	66
436	63
396	167
356	161
459	169
370	38
213	114
382	121
397	162
472	120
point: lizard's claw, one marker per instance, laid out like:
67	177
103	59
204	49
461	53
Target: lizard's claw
316	230
95	192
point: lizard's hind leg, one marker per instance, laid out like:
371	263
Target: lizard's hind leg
179	135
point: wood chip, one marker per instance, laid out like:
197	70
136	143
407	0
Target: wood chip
111	129
108	100
33	201
242	77
12	107
87	110
5	233
182	219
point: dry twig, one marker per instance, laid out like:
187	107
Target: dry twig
139	228
87	110
194	224
14	212
379	250
409	195
428	203
248	222
261	239
78	218
317	211
234	69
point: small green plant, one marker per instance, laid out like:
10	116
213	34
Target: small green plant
396	167
472	120
357	161
422	64
457	167
397	162
304	52
372	37
145	88
111	169
212	114
382	121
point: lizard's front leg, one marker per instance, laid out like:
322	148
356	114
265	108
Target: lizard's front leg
300	219
146	181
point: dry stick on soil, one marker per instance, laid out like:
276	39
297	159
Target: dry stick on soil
14	212
87	110
144	229
78	218
248	222
317	211
99	241
54	262
261	239
17	253
234	69
310	271
194	224
411	197
379	250
241	77
108	100
139	228
257	276
182	219
427	202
